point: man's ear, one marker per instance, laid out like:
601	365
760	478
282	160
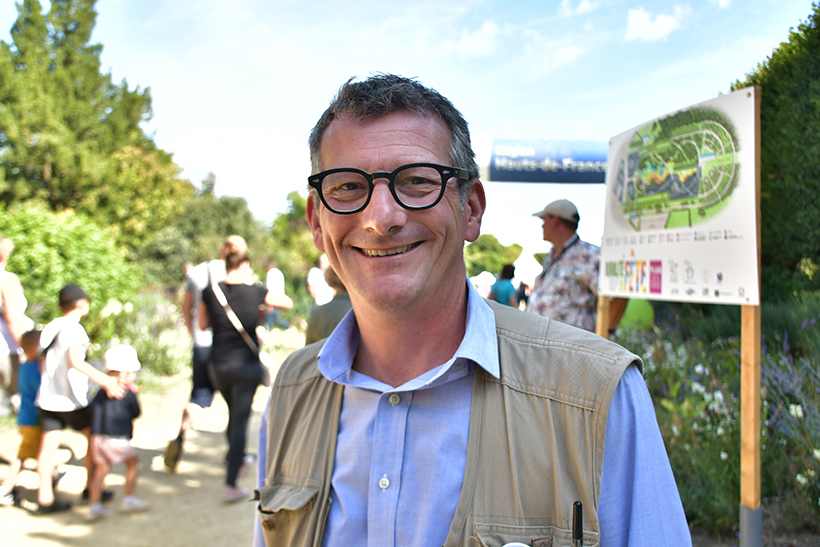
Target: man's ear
312	216
474	208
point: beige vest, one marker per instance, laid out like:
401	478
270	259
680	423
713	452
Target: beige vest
536	439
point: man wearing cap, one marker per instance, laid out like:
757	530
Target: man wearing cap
567	288
63	398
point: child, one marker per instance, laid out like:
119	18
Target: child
63	395
28	418
112	426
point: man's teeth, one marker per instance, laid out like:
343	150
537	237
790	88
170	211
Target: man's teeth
386	252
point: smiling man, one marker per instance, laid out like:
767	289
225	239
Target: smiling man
431	416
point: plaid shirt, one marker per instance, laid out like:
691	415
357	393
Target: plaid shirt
567	288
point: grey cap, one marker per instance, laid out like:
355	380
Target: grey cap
562	208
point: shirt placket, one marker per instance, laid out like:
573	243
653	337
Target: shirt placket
386	464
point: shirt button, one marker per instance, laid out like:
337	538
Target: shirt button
394	399
384	483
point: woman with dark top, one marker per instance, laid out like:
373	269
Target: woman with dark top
234	366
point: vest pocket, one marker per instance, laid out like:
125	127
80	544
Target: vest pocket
285	511
498	535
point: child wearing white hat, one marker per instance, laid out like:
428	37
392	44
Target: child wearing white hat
111	431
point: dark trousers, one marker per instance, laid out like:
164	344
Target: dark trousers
237	383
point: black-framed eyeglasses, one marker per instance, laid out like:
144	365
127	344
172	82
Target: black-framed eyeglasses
414	186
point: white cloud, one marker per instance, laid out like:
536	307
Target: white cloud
721	3
582	7
640	25
479	43
545	55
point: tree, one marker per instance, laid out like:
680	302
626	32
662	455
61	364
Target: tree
290	247
70	137
790	160
487	254
197	233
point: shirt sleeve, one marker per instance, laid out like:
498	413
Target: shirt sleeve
135	405
640	503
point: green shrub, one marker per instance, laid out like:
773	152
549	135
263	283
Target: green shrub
693	376
53	249
152	324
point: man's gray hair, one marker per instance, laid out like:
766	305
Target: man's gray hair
382	94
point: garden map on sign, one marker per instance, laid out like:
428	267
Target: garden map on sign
677	171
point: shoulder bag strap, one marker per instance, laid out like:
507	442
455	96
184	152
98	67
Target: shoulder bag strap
50	344
232	317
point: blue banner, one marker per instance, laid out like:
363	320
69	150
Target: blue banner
516	160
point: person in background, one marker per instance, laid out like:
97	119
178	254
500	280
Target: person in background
324	318
275	283
503	290
112	427
567	287
234	364
431	416
28	418
318	288
63	397
202	391
12	324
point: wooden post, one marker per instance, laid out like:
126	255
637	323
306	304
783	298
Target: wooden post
751	513
750	497
602	318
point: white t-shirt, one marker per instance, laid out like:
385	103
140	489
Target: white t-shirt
323	291
275	282
199	278
8	345
62	388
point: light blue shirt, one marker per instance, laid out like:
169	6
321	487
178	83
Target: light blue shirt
401	452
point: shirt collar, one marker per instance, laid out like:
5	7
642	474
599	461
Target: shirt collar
478	347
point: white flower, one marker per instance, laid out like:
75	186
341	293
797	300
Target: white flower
718	396
112	307
129	307
719	431
724	456
676	432
801	480
796	411
816	454
698	388
699	370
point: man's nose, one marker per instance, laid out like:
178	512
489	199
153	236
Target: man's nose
383	214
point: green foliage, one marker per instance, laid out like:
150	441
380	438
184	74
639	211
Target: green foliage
692	370
53	249
790	158
487	254
291	249
151	324
70	137
196	235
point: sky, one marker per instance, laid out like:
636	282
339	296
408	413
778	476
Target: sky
237	85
